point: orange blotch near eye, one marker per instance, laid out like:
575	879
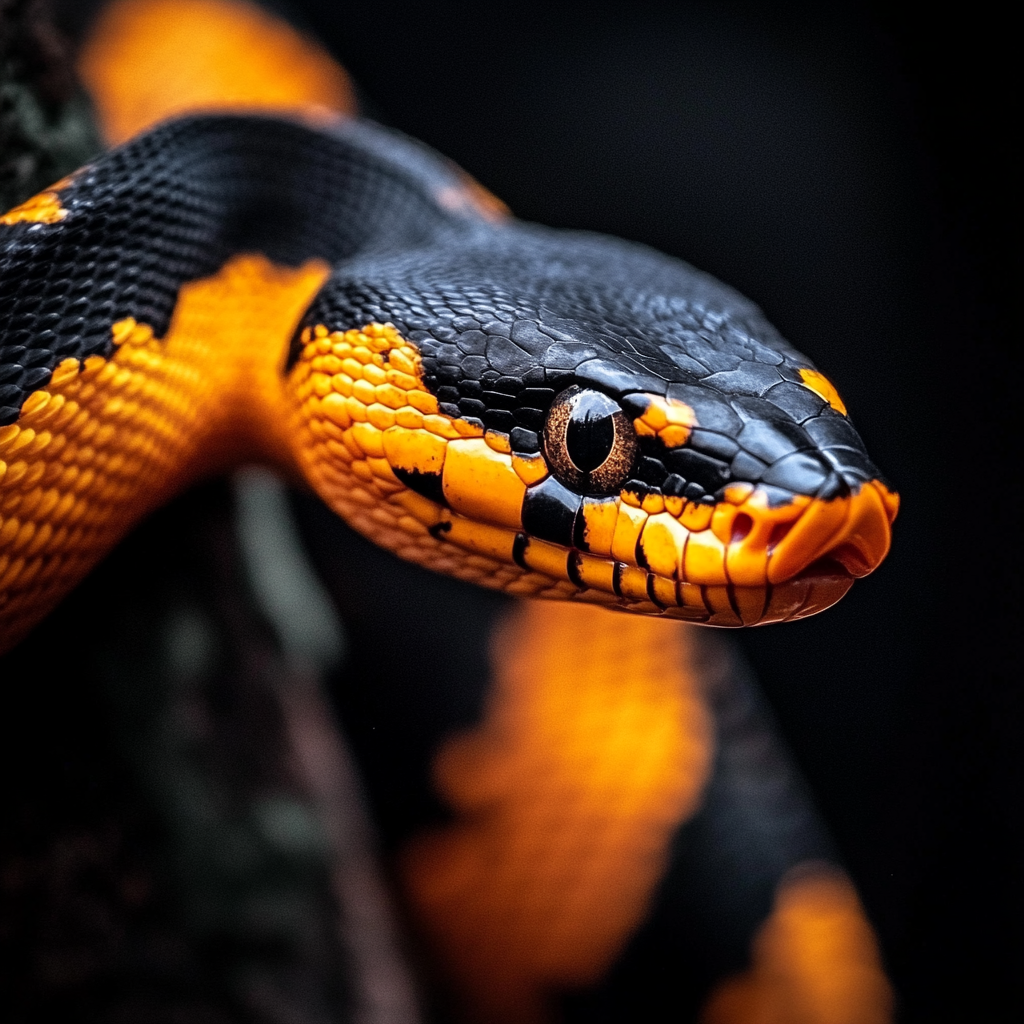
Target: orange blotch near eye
481	483
498	441
696	516
531	469
148	60
667	419
822	386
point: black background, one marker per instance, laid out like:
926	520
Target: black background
849	168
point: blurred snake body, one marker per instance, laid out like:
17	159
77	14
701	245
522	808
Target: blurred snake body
554	414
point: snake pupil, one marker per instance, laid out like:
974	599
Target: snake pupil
588	441
590	432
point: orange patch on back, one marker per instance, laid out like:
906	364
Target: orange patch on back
149	60
43	208
109	439
566	797
823	387
815	961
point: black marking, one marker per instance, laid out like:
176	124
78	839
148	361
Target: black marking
572	569
505	318
639	553
617	570
519	546
173	205
295	347
524	442
550	510
651	594
438	529
428	484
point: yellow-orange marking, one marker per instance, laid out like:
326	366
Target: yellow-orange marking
667	419
822	386
481	484
44	208
816	961
107	440
149	60
566	797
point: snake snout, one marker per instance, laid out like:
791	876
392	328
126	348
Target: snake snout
853	532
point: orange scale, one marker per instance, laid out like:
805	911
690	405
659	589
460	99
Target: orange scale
808	538
786	600
41	539
696	516
633	584
704	559
868	532
663	541
629	524
722	611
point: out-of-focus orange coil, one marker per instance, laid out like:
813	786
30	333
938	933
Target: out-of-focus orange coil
596	745
148	60
815	961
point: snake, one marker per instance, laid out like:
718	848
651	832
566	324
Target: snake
551	414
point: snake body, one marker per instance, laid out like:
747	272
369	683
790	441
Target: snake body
547	413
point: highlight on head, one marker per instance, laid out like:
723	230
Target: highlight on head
447	493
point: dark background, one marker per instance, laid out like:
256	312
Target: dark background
849	168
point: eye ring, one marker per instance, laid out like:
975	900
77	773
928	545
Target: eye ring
589	442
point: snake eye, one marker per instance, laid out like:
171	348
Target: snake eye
589	442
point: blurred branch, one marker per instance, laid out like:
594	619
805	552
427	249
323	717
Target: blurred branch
46	125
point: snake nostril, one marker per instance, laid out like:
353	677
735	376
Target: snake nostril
741	527
778	534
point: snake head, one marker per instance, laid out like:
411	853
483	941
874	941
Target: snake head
570	416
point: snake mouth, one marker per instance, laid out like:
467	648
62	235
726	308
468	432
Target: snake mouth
526	566
814	589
